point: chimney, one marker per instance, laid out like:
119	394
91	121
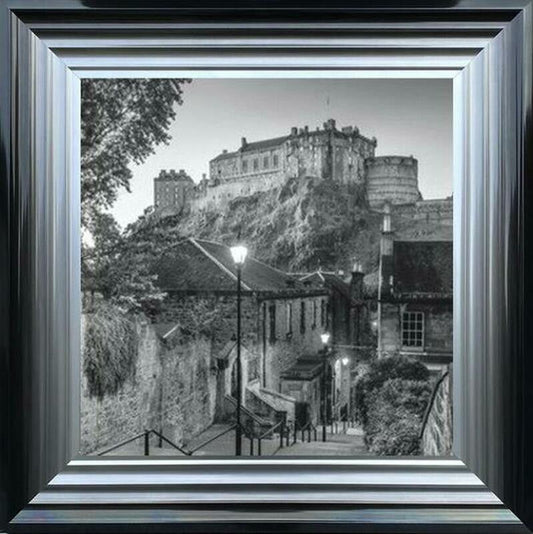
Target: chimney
225	150
356	282
385	256
243	142
306	129
330	124
294	130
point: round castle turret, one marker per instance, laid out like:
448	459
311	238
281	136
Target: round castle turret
392	179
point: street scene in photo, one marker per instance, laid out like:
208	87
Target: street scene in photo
266	267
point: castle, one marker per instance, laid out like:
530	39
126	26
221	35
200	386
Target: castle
339	155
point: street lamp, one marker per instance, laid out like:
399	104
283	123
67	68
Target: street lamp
239	253
325	339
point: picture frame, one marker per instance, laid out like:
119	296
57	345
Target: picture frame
485	47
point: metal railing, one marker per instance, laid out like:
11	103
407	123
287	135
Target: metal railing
253	439
146	436
309	427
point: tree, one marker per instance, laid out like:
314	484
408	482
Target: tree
122	121
98	259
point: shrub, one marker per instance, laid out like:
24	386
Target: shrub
394	416
110	350
381	370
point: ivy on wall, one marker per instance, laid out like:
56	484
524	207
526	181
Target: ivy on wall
110	350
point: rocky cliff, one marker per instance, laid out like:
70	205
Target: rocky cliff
302	225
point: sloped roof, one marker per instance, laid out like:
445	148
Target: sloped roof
197	264
264	144
329	280
255	145
423	267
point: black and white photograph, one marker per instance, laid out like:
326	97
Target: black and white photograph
266	267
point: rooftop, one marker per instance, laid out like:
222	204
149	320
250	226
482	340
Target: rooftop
201	265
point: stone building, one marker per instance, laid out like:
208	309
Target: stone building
172	191
415	299
329	153
282	318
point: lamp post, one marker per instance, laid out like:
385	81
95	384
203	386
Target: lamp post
239	253
325	339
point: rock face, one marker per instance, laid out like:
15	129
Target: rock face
437	434
303	224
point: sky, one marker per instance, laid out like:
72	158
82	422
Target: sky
408	117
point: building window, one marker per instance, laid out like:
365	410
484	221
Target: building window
275	160
272	323
322	313
315	313
265	162
245	166
289	319
256	164
413	329
302	317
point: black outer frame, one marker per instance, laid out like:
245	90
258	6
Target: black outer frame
28	464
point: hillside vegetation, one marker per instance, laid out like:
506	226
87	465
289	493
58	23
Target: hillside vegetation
306	224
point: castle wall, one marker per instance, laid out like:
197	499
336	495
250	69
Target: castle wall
392	179
438	211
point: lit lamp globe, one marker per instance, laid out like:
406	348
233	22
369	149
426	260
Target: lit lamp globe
325	338
238	254
345	360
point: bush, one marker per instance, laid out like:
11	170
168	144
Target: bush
378	372
110	350
394	416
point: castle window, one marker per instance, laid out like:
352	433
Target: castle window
275	160
315	313
256	164
265	162
413	330
322	313
302	317
244	166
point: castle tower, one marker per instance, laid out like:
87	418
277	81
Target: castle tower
171	191
392	179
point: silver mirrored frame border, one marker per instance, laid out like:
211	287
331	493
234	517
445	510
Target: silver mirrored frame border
486	47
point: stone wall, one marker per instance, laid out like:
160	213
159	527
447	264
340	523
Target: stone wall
437	430
187	397
173	390
114	418
437	211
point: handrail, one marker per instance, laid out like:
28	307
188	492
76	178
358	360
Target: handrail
122	443
271	429
247	412
158	434
203	444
